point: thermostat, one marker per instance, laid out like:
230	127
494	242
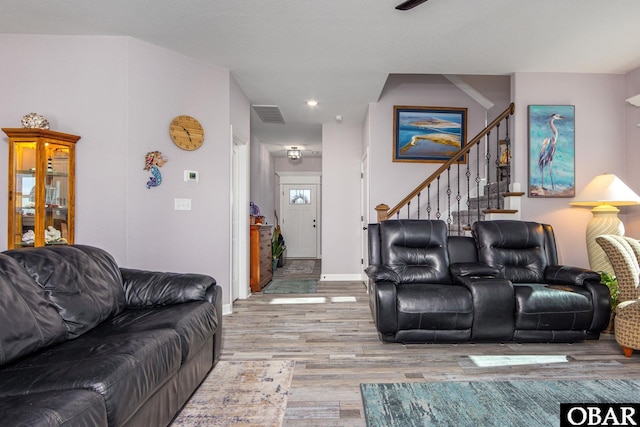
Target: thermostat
191	176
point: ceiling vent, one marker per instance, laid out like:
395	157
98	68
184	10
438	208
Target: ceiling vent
269	113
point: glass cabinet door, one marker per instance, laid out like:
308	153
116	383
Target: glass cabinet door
56	194
24	211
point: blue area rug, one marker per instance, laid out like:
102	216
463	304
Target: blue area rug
503	403
282	286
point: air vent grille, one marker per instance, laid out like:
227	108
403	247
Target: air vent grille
269	113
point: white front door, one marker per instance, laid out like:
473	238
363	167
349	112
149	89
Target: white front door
300	223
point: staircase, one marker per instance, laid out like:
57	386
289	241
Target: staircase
473	185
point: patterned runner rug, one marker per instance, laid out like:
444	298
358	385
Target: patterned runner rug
300	266
295	286
504	403
243	393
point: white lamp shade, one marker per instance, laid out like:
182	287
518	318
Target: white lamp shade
606	189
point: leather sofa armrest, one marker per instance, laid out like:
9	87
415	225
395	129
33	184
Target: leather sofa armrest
384	309
567	275
493	307
473	269
379	273
151	288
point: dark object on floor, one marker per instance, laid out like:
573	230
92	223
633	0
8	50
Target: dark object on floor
85	342
425	286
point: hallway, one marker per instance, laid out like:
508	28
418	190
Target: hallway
298	268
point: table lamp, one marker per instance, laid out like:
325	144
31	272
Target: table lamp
604	192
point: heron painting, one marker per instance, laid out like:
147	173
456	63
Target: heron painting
551	151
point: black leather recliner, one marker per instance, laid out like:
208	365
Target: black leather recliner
552	302
502	285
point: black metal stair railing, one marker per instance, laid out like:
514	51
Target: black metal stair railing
450	189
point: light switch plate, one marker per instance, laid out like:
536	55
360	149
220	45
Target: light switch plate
191	176
182	204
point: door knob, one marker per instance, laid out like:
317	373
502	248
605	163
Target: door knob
364	228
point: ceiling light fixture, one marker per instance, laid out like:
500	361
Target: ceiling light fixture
312	103
294	153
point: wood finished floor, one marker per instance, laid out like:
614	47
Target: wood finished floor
333	341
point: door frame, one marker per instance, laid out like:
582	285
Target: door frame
364	212
240	179
295	178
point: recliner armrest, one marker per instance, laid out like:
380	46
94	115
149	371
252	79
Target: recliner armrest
151	288
379	273
473	269
493	307
568	275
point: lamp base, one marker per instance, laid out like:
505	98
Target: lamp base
605	221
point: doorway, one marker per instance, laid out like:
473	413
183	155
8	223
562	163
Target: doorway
300	215
364	213
239	217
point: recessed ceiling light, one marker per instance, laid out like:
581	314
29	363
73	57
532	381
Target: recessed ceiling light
312	103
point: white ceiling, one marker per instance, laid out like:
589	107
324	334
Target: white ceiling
340	52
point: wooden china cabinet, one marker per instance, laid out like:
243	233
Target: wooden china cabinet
41	187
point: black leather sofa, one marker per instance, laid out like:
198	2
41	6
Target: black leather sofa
502	284
86	343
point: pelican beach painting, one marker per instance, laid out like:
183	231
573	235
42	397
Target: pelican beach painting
428	134
551	151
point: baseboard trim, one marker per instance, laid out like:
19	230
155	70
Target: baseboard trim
341	278
226	309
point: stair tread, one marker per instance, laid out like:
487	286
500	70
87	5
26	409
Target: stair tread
513	194
505	211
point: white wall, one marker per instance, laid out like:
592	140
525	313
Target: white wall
120	94
341	230
305	164
240	107
80	85
600	147
390	181
162	85
632	130
263	188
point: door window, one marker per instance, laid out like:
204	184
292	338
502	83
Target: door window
299	197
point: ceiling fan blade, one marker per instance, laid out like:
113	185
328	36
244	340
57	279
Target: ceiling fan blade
409	4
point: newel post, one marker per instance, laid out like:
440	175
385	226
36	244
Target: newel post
382	210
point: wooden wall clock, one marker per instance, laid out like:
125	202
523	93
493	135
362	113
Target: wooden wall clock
186	132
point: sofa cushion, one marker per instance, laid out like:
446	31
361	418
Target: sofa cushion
29	320
430	306
125	369
416	250
83	282
195	323
517	248
552	307
60	408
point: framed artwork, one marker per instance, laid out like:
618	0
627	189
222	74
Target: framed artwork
428	134
552	151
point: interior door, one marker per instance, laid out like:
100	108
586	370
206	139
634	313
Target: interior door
235	225
300	223
364	215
